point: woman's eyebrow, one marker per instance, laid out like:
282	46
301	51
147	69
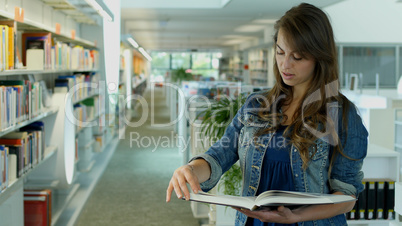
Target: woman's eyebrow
279	47
294	52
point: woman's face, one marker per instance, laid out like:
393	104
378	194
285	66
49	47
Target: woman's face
295	70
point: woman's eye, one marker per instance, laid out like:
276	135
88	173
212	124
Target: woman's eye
297	58
279	53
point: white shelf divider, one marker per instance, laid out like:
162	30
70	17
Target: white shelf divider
47	112
87	181
62	203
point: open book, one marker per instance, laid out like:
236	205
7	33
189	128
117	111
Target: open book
270	198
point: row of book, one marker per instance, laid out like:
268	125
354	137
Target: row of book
41	51
19	100
376	202
38	207
81	85
20	151
86	111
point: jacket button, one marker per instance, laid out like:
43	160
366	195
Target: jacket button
295	150
296	175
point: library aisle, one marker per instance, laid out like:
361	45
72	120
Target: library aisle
133	187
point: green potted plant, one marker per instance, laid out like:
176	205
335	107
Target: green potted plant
180	75
215	120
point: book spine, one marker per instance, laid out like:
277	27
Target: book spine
11	48
3	48
1	167
362	200
380	202
371	198
390	200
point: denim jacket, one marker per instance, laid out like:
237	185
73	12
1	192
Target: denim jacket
237	144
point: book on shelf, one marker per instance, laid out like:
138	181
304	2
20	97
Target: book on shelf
376	201
38	129
380	201
38	207
80	82
271	198
389	200
3	167
371	200
19	139
19	100
12	167
8	44
35	59
35	55
3	47
37	40
361	204
26	148
18	151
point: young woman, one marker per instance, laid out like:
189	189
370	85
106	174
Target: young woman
302	135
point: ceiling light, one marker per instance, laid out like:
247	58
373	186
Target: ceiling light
250	28
181	4
145	54
133	42
264	21
128	38
101	9
232	42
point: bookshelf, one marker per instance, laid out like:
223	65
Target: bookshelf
383	159
258	67
60	170
232	67
398	149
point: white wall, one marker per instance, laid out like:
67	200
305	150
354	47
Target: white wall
366	21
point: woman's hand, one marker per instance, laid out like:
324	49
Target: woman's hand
181	177
281	215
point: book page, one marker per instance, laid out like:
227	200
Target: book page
226	200
274	198
295	194
289	201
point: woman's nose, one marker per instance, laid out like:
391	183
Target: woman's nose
286	63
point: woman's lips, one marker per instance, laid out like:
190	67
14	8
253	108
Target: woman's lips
287	75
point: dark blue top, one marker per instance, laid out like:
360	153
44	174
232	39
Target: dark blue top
276	172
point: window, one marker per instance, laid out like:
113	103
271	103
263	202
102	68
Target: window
369	61
203	64
181	60
160	60
201	61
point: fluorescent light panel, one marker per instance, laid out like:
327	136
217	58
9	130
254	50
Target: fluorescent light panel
133	42
146	55
264	21
129	38
174	4
250	28
101	9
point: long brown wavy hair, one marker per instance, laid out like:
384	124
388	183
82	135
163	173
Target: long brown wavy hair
308	31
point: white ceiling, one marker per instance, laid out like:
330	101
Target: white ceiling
178	26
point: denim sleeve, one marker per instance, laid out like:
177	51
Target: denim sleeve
346	175
223	154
